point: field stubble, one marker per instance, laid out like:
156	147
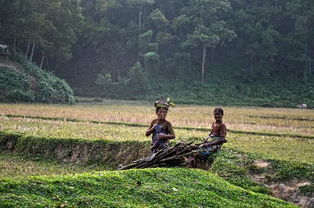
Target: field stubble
278	120
282	121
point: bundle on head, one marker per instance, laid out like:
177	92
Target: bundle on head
163	104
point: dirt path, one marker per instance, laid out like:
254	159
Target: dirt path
287	190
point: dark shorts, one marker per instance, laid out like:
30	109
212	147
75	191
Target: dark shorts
206	152
159	145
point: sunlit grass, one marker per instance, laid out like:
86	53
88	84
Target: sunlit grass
157	187
83	130
283	148
278	120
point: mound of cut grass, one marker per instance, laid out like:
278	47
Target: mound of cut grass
174	187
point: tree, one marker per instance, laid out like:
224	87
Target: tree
209	30
302	11
50	26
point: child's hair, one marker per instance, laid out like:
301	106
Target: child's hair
158	108
219	110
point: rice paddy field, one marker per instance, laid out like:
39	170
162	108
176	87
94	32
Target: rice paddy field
273	134
286	134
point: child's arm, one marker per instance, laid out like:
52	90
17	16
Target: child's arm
211	130
151	129
221	140
222	137
171	134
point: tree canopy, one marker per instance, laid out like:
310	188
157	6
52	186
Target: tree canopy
117	44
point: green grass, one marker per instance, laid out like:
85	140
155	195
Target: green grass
230	164
174	187
281	148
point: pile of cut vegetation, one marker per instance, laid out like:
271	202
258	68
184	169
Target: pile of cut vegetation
22	81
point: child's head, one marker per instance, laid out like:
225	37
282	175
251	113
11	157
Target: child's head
218	114
161	112
161	108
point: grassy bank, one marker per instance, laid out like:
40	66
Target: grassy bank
134	188
21	166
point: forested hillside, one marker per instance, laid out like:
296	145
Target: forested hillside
228	52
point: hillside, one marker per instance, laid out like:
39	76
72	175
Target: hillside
22	81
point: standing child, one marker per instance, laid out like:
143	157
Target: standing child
217	136
160	128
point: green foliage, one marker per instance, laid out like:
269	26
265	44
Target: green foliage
158	19
249	44
226	92
144	39
139	79
307	190
152	61
152	47
53	26
103	79
262	43
164	38
15	86
288	171
33	84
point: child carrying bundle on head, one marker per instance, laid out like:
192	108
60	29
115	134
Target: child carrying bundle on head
161	128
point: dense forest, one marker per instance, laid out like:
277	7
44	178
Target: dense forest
231	52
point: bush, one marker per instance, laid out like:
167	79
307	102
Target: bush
32	84
14	86
20	96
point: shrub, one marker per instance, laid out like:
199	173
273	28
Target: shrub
31	84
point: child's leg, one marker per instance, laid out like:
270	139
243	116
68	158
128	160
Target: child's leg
191	161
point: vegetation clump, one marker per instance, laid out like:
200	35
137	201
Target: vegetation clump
23	81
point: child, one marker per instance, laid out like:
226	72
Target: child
217	136
160	128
